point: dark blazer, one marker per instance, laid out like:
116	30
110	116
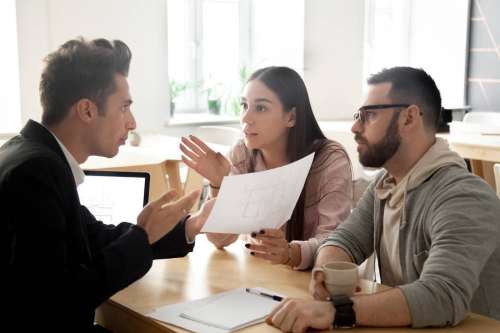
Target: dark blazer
59	262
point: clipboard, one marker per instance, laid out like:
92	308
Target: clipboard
224	312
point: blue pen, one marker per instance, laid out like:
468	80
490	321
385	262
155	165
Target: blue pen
260	293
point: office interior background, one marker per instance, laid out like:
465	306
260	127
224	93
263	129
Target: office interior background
190	61
191	57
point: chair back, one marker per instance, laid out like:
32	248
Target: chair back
482	117
496	170
220	135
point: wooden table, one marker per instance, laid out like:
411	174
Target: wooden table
207	271
160	156
482	150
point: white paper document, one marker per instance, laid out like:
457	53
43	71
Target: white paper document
253	201
221	313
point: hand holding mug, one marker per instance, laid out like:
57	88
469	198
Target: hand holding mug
334	278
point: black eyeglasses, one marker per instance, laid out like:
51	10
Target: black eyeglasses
362	115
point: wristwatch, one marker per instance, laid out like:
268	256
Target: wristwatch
345	317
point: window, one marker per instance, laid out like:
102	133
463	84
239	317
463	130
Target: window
387	32
428	34
10	115
208	52
214	45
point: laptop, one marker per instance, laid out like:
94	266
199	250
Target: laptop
114	196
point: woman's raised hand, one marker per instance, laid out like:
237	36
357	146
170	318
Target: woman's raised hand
208	163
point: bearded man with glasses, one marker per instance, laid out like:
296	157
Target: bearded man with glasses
432	225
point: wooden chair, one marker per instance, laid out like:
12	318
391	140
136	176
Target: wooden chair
482	117
221	135
496	170
483	122
4	137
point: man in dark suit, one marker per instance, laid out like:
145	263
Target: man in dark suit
59	262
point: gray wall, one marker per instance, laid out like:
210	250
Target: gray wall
483	88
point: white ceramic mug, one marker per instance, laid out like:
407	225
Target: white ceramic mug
341	277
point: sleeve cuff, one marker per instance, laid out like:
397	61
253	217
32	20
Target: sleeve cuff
188	241
419	296
307	250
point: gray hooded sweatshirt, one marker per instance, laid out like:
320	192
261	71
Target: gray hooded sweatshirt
394	195
448	239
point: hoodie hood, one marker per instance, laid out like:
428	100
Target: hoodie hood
439	155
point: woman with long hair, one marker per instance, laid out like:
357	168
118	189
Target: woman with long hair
279	128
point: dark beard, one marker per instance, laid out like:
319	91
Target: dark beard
378	153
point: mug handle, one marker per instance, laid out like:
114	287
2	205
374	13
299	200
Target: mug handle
315	271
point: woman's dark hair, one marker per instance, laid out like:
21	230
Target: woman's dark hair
81	69
304	138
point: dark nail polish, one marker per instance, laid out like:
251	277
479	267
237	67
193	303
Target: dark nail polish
247	246
262	232
253	234
252	253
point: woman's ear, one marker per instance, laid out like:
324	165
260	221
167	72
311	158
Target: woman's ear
291	117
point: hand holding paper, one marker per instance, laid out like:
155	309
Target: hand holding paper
254	201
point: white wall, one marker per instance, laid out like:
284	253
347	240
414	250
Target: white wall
440	48
9	80
333	56
333	50
277	40
33	42
43	25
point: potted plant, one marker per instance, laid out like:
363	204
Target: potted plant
214	91
214	105
176	89
232	100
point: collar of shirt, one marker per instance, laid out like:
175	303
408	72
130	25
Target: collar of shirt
77	172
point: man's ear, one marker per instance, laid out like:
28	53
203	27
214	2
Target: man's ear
86	110
292	114
412	117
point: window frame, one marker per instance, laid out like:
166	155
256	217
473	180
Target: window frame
194	67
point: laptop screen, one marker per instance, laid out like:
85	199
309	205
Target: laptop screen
114	196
